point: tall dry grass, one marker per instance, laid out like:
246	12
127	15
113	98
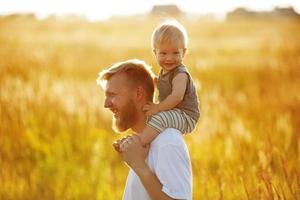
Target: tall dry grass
55	136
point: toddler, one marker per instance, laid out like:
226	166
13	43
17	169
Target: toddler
178	101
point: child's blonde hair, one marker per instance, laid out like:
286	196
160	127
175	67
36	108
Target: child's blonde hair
169	31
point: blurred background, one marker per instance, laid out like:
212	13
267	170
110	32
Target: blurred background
55	135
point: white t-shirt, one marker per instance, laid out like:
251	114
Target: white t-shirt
169	159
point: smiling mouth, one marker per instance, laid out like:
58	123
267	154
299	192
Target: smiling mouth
115	112
169	64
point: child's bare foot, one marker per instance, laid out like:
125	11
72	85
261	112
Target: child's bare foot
142	139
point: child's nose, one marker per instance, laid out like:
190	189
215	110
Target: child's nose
169	57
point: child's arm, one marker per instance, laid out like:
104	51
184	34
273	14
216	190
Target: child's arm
178	89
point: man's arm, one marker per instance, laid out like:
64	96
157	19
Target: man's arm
134	155
151	183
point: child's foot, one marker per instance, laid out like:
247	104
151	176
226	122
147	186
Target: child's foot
142	139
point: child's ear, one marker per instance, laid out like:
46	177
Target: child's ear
154	51
184	51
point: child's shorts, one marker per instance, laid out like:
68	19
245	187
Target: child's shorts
174	118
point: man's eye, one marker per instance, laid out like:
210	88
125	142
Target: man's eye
111	95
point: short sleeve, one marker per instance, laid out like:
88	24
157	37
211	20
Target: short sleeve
173	169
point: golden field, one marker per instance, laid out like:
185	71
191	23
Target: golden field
55	135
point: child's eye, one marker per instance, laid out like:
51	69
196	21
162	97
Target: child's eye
176	53
162	53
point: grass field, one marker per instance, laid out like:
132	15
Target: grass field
55	135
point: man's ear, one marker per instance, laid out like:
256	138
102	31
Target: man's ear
140	93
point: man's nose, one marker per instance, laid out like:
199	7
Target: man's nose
107	103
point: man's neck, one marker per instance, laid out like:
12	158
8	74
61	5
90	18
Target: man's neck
141	123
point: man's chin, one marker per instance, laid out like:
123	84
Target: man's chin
125	119
117	127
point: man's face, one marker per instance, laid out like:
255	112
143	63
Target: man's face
119	99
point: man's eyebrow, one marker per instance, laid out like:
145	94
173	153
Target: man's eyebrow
109	93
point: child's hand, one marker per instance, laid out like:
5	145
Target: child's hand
151	109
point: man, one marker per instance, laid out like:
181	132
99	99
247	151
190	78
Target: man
161	171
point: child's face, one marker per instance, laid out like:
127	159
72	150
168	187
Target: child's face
169	56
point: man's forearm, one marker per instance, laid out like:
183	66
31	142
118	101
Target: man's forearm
151	183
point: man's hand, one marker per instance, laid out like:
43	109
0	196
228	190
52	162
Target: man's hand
155	80
151	108
133	153
117	144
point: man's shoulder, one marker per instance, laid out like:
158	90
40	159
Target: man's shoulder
169	136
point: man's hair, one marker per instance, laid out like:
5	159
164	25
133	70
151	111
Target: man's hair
168	32
137	71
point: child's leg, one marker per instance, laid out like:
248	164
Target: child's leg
162	120
174	118
148	135
191	123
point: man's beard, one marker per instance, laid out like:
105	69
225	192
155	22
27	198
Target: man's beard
127	118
